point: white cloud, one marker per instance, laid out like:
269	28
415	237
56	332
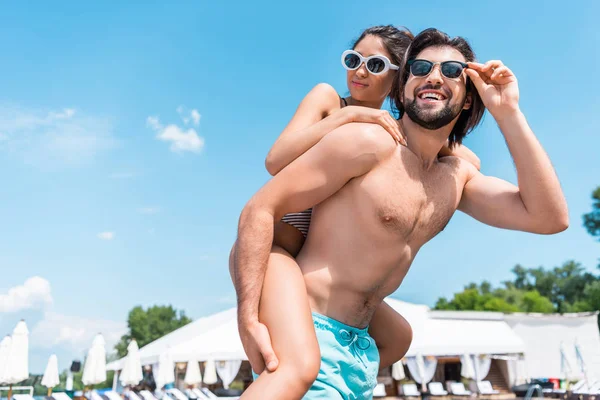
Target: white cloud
53	137
181	139
50	331
149	210
106	235
35	293
75	332
154	123
65	114
195	117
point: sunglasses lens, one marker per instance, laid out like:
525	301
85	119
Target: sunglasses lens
375	65
420	68
352	61
452	69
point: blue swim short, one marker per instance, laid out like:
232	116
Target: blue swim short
349	362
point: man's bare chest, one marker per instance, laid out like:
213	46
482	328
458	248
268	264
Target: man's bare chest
409	202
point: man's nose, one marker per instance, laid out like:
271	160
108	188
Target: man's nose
435	77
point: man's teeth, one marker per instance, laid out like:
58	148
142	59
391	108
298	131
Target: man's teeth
433	96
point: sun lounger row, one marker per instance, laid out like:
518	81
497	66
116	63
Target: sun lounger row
453	389
169	394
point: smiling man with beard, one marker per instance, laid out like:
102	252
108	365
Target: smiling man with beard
377	203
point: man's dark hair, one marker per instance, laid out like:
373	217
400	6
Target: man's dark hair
432	37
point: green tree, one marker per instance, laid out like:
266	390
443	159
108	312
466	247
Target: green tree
562	289
592	295
499	304
533	301
145	326
591	220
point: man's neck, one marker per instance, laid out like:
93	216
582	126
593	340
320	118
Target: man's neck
425	143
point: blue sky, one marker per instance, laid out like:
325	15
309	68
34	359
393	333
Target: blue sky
111	209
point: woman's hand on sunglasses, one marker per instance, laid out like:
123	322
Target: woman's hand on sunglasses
380	117
497	86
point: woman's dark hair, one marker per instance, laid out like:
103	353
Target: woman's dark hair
432	37
395	40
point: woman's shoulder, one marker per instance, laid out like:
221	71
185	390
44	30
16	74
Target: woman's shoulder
326	96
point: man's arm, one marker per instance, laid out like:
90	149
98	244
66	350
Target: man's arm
347	152
537	205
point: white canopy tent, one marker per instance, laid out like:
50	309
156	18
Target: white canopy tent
435	333
543	335
216	337
221	343
149	354
446	333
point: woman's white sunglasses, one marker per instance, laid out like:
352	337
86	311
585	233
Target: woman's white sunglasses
377	64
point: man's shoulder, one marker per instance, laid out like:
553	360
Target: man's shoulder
460	167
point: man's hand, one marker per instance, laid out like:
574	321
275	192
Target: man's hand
497	86
257	345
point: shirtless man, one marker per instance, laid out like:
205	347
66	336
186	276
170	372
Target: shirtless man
378	203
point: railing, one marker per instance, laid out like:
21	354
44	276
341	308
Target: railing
529	394
7	388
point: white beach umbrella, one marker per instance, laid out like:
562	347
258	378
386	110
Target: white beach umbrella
94	370
165	373
51	378
18	358
4	353
210	372
192	373
467	370
398	371
132	373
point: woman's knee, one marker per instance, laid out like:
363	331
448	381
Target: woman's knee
302	371
405	336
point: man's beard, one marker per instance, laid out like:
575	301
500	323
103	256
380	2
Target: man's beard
430	119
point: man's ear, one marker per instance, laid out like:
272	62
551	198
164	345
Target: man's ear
468	102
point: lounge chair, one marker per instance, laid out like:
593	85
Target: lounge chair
131	395
22	397
177	394
211	396
410	390
485	387
190	394
458	389
576	388
595	388
94	395
60	396
114	395
436	389
199	394
379	390
147	395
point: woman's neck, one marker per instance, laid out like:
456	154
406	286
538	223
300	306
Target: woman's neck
371	104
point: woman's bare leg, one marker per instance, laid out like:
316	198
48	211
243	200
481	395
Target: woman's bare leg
285	310
392	333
